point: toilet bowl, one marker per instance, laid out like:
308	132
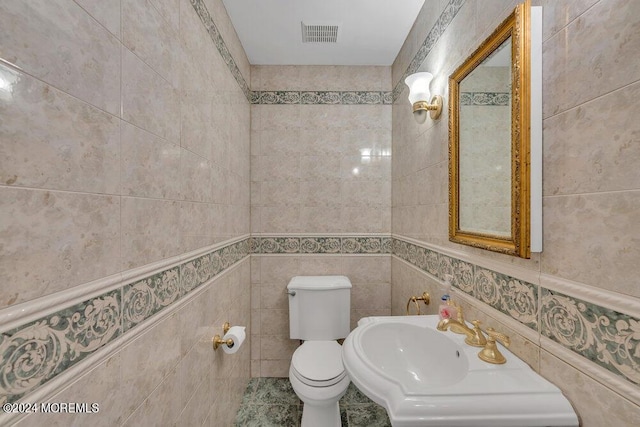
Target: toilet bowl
318	378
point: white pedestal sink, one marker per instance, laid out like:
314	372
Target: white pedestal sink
424	377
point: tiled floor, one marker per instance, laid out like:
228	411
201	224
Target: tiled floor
272	402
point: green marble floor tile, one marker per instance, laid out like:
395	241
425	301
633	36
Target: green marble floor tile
368	416
275	391
272	402
353	396
267	416
248	396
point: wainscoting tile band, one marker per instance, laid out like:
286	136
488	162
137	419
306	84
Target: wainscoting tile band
322	97
321	245
603	336
38	351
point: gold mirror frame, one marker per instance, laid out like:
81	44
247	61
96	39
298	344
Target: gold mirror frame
516	26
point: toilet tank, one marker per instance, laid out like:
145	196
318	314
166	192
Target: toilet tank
320	308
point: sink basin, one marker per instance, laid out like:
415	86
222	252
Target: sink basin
425	377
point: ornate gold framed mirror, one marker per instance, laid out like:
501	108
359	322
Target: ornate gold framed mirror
489	141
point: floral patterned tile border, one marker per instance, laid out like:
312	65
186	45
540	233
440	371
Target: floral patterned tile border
485	99
513	297
605	337
218	41
321	245
321	97
445	18
34	353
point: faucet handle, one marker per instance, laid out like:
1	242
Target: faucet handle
478	339
495	335
490	352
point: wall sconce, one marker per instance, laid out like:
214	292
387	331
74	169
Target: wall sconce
419	94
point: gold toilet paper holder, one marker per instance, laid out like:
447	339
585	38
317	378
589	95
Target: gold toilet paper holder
218	341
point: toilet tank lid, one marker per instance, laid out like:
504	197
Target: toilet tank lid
319	282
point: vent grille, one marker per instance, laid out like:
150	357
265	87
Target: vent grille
319	33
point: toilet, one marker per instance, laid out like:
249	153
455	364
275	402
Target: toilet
319	314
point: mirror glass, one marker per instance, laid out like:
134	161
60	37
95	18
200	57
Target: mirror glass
489	142
485	146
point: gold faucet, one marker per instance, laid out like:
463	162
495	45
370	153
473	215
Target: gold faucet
475	337
490	352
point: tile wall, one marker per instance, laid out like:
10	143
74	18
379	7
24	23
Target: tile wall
124	179
320	175
572	310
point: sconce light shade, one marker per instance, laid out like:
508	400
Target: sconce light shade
419	96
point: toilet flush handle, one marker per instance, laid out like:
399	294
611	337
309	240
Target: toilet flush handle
292	293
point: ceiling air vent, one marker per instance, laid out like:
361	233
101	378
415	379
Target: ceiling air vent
319	33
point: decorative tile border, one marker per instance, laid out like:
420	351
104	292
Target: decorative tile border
515	298
445	18
38	351
321	245
605	337
322	97
34	353
485	99
218	41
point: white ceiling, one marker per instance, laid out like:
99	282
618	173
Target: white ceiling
371	31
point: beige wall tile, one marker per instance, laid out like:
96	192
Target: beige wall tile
55	240
371	295
97	386
275	368
273	322
578	67
367	269
195	176
161	405
274	296
148	35
148	230
105	12
317	77
139	83
150	165
602	159
595	404
40	150
558	15
170	11
604	253
277	347
84	62
321	265
141	374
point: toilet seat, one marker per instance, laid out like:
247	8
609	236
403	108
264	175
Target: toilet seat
318	363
